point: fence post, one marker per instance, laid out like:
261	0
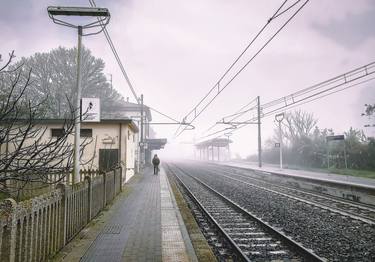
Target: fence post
105	189
8	248
114	183
89	204
62	218
120	178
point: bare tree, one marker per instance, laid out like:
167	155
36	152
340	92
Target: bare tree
26	154
298	125
53	78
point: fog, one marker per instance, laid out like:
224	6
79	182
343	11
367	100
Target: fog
174	52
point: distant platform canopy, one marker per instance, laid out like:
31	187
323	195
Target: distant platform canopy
155	144
216	142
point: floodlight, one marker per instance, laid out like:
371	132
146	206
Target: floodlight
77	11
102	16
279	117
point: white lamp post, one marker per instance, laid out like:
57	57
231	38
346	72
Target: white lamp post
279	118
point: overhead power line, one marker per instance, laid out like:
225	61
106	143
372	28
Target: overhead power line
114	51
236	115
217	88
331	86
170	118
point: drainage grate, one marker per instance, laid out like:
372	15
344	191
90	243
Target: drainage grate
112	229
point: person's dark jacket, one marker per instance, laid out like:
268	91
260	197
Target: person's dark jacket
155	161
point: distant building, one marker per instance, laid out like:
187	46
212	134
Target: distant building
133	111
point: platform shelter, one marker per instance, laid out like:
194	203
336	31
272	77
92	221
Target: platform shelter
216	149
153	144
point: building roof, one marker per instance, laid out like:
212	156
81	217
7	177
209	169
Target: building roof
127	121
156	144
119	111
218	142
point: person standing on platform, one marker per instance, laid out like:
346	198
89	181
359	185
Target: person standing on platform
156	162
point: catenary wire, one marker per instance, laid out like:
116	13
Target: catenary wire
114	51
240	71
288	107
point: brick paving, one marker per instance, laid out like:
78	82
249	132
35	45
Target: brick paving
134	231
146	226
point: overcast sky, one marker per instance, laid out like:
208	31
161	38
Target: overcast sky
174	51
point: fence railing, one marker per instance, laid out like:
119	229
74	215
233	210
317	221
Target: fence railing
36	229
33	189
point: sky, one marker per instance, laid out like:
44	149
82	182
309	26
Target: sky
174	52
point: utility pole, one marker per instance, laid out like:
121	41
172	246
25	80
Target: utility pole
259	135
111	81
77	137
142	142
103	16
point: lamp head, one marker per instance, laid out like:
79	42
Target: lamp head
77	11
279	117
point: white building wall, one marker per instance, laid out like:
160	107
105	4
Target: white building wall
105	136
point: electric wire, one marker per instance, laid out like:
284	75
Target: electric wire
236	115
114	51
345	78
196	115
301	102
170	118
237	59
122	68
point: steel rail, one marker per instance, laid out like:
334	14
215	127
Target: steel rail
335	209
235	247
302	251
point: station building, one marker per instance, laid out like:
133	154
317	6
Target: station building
134	112
110	142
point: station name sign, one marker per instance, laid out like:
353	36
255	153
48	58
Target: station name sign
90	110
333	138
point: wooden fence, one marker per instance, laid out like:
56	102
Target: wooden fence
36	229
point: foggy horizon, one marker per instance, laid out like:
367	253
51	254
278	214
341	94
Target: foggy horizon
175	51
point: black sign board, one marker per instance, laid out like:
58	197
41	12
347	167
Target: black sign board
338	137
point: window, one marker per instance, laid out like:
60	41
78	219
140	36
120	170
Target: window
86	132
57	132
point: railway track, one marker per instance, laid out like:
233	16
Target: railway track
344	207
250	238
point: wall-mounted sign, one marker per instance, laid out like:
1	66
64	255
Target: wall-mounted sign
338	137
90	110
108	140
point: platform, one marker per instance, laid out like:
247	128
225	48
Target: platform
343	179
145	225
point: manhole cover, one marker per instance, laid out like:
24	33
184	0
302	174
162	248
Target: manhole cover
112	229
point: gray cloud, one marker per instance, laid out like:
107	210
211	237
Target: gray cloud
351	30
175	50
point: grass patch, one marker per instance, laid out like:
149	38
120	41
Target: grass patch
202	249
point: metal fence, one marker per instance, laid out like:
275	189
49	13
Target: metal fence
36	229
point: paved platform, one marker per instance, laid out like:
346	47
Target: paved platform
146	226
366	182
